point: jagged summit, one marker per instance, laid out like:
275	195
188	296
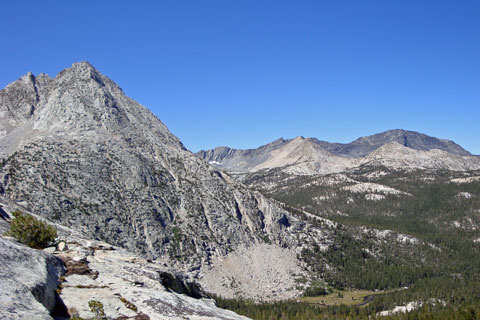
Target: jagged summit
80	67
85	71
78	100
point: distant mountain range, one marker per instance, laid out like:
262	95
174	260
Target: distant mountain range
411	139
395	148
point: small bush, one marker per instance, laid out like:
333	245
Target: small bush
32	232
97	308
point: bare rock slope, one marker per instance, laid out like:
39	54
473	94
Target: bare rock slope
130	286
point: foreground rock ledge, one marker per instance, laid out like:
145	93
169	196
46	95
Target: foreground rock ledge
129	286
28	280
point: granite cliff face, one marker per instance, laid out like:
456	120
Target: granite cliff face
79	152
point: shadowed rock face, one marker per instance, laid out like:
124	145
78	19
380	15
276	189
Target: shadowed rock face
28	279
87	156
180	284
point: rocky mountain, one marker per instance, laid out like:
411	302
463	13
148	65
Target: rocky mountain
410	139
302	153
79	152
395	148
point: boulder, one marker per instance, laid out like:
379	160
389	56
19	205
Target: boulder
62	246
180	283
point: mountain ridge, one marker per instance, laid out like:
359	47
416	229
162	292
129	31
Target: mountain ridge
346	155
411	139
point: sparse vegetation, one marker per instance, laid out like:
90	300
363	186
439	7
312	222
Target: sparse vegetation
88	286
97	308
347	297
266	239
128	304
177	233
316	290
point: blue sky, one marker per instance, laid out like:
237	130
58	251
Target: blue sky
244	73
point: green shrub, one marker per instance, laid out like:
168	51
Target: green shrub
32	232
97	308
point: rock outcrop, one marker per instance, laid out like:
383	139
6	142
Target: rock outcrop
130	287
29	279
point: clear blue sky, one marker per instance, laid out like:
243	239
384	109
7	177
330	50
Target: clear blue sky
243	73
